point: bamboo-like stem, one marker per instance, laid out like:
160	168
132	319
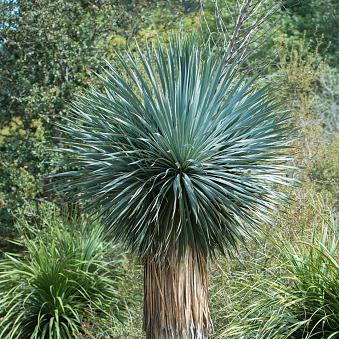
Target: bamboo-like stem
176	298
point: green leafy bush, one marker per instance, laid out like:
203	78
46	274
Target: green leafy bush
328	98
65	281
25	162
318	18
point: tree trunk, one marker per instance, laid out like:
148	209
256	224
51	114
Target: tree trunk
176	298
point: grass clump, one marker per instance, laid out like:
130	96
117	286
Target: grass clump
296	297
62	284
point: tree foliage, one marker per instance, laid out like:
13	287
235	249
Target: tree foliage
318	19
48	51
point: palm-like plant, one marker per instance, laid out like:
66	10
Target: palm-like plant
182	157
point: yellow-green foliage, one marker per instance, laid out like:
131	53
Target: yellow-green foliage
325	172
162	24
12	128
24	161
118	41
299	68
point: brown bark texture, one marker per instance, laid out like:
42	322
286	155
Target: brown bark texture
176	298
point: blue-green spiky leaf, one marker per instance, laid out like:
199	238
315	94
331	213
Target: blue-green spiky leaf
176	152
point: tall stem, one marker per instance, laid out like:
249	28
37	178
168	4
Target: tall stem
176	298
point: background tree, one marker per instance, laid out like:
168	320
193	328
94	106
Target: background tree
182	159
317	19
48	49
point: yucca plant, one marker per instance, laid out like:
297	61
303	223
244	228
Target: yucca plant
182	158
60	283
297	298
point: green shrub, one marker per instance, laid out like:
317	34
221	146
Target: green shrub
66	280
295	298
325	169
25	162
318	18
328	98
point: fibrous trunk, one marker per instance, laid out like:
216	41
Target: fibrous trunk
176	298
